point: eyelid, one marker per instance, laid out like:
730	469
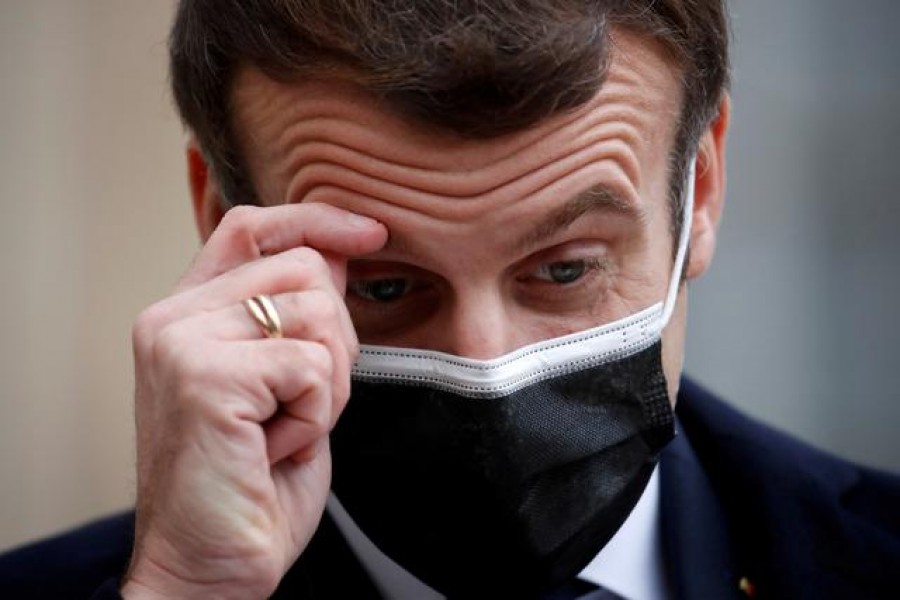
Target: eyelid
364	273
369	270
591	250
589	263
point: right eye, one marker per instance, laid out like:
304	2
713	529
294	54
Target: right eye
379	290
563	272
387	299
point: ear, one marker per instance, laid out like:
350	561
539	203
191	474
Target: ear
709	191
205	195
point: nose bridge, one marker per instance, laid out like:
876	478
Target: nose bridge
478	324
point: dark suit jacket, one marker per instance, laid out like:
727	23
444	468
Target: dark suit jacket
739	502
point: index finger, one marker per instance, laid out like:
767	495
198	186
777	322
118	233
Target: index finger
247	233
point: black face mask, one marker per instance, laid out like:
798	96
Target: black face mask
508	495
505	477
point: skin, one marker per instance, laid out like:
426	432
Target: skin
479	247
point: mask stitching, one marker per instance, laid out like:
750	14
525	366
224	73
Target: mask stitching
641	324
447	384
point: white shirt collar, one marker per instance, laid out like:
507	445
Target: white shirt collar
631	563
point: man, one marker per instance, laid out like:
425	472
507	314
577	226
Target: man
497	200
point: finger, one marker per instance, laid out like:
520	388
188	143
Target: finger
251	380
293	270
288	436
284	385
247	233
305	416
298	374
310	315
314	315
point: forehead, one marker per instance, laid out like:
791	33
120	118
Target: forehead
294	136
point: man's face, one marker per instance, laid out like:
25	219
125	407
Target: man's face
494	243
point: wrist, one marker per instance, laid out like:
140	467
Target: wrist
149	580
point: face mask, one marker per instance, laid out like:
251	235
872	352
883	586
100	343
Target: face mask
505	477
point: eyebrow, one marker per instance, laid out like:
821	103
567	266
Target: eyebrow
598	198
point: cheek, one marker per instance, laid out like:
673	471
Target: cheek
538	330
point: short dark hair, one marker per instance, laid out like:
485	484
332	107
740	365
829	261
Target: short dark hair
478	68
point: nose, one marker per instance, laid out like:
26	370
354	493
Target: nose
476	325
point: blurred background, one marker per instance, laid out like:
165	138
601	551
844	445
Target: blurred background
795	323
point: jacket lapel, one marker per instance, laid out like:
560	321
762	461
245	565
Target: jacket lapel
696	544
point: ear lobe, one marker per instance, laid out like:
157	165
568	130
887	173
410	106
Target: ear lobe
709	192
206	198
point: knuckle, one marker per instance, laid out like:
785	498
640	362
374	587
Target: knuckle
320	361
311	260
147	326
316	380
178	355
168	350
239	217
315	314
236	227
316	364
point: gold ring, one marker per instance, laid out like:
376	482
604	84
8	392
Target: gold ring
263	311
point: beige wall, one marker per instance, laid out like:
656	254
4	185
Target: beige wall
95	224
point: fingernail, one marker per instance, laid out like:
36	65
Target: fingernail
360	221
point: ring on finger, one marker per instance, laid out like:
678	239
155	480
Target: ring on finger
263	311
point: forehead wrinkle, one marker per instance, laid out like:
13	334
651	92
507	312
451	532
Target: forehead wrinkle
407	160
665	99
335	183
380	162
333	180
598	198
421	157
311	179
384	158
365	122
640	124
328	163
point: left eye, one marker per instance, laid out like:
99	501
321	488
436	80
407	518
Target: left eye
562	272
379	290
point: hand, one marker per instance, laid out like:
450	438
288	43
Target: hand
233	462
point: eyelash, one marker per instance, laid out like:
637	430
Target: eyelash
358	287
588	265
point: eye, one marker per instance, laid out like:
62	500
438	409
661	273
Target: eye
562	272
379	290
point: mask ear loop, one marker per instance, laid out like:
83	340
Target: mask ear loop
683	239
